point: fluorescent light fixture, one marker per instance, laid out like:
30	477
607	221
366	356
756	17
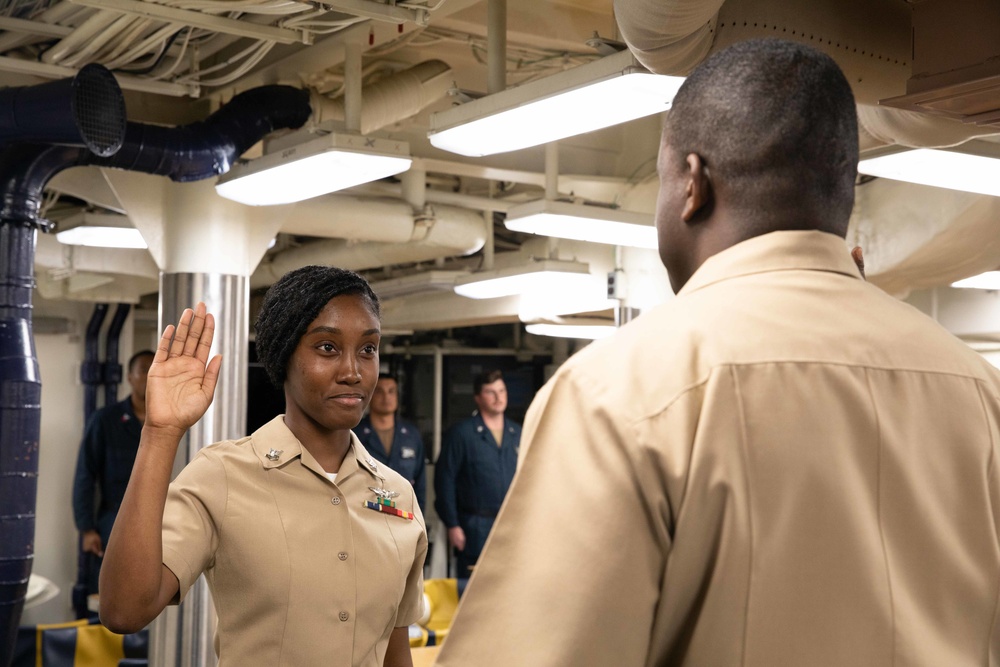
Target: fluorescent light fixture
580	222
586	331
101	230
546	275
327	163
988	281
606	92
943	169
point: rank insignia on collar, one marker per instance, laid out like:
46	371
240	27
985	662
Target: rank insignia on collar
371	464
274	454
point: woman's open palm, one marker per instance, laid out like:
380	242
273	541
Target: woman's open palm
182	380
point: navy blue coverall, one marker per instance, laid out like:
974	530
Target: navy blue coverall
471	478
107	454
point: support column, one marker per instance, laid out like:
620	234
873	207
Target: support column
439	553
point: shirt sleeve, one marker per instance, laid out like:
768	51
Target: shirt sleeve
446	477
571	572
412	605
192	518
85	480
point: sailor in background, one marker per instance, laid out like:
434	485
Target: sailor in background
475	469
393	441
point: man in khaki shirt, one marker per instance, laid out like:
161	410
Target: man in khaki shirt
781	466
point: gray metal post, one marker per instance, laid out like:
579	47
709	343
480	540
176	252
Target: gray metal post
183	636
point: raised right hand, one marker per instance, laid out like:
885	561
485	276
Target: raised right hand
181	381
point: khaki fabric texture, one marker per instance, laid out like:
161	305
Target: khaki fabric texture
781	466
300	571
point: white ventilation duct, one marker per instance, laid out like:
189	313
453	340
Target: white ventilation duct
668	36
443	231
394	98
870	41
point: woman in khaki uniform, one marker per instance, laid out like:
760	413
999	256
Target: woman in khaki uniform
313	552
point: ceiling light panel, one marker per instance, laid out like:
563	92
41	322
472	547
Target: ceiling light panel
938	168
584	331
987	281
581	222
316	167
99	230
600	94
542	276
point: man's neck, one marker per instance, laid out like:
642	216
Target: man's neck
493	421
383	421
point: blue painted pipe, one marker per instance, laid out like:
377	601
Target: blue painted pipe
90	369
20	422
111	369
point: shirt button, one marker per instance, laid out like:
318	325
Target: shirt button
335	500
342	555
344	616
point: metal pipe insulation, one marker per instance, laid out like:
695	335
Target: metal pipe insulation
90	369
20	424
111	369
210	147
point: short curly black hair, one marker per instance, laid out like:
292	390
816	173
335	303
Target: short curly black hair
295	301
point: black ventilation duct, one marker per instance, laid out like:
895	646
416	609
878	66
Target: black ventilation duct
87	110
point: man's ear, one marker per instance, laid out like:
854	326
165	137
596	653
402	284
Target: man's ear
698	192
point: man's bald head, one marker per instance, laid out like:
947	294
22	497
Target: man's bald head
776	126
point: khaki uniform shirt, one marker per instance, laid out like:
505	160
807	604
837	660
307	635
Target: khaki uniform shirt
781	466
301	572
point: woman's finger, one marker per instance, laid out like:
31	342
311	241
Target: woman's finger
163	347
205	341
195	330
180	336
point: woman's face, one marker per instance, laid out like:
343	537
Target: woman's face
334	368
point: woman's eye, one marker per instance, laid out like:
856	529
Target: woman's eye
369	349
327	347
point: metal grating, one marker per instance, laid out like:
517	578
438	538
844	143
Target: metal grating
99	110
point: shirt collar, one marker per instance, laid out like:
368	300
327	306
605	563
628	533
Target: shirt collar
776	251
276	439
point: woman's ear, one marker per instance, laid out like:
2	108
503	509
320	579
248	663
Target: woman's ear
698	191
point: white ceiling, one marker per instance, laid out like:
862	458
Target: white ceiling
927	246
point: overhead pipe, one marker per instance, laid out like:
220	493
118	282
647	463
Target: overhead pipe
111	370
184	154
393	98
496	46
450	232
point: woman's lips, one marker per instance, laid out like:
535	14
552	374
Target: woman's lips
349	400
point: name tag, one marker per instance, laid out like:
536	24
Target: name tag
408	453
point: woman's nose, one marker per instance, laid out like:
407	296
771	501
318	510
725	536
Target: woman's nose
349	371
